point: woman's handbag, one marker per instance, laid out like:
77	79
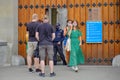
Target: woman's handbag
68	45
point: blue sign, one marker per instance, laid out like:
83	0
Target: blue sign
94	32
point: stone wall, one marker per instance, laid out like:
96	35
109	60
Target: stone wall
8	25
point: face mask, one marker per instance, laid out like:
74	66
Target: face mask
74	24
57	28
69	24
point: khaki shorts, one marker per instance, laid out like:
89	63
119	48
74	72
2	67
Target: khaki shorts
31	47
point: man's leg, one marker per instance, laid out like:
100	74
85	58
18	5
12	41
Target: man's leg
60	51
42	57
50	56
55	54
51	65
37	64
29	63
42	63
36	59
29	56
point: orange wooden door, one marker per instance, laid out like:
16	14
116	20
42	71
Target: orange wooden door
78	9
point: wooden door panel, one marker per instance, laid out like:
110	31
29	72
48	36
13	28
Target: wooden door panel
101	53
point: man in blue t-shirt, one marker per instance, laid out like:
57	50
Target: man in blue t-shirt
45	35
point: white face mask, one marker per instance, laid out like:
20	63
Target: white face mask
74	24
69	24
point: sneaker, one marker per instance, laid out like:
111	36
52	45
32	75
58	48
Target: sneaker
38	70
42	74
73	68
76	68
30	70
52	74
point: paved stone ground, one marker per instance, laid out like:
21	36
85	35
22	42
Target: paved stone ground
86	72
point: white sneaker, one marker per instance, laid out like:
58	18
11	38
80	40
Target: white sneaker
73	67
76	68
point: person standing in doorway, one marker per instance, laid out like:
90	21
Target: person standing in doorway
76	54
57	42
32	43
45	35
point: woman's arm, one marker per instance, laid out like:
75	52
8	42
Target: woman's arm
70	30
65	31
80	41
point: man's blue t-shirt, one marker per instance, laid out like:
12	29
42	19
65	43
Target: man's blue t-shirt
45	34
31	28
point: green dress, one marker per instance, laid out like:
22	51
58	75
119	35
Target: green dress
76	55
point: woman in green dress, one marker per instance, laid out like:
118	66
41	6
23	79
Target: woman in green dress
76	55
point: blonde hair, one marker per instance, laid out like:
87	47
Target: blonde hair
35	16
